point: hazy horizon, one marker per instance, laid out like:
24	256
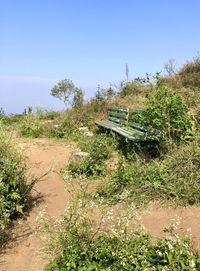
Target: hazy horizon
88	42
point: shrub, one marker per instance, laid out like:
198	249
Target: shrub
63	129
51	115
80	244
99	149
134	88
190	73
135	252
12	120
167	111
14	189
175	178
31	127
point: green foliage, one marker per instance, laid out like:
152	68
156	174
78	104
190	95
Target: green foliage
51	115
135	252
87	167
81	245
54	124
167	111
12	120
65	89
99	149
174	179
14	189
137	87
78	98
2	112
131	88
31	126
104	94
66	124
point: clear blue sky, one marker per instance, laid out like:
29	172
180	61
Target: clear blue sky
88	41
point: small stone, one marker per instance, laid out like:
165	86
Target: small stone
56	126
79	156
89	134
85	131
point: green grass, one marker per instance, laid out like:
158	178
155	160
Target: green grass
14	188
99	148
134	252
78	242
174	178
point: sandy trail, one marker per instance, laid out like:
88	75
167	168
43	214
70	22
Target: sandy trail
43	155
188	218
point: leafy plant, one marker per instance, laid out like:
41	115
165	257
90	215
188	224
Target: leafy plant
31	126
65	89
15	190
167	111
99	149
77	243
174	178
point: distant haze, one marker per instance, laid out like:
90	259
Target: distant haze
89	42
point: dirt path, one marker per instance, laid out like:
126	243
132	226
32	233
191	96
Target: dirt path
157	218
43	155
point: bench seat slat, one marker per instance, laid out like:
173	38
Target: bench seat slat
128	132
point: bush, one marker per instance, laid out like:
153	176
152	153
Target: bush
47	115
31	127
134	88
15	191
79	244
135	252
175	178
12	119
99	149
66	124
167	111
190	73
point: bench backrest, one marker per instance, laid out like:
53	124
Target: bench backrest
125	116
132	119
118	115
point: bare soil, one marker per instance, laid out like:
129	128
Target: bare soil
187	218
44	155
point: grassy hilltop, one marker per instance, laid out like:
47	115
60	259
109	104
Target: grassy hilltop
115	173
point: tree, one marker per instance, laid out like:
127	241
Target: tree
104	94
170	67
78	98
2	112
30	110
64	90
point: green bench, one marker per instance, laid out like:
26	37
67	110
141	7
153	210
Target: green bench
121	121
